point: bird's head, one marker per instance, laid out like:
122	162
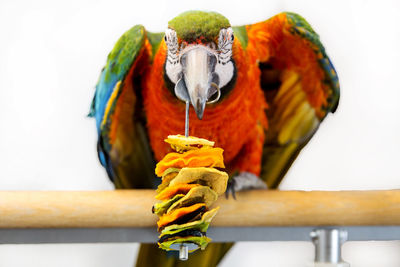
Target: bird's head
199	55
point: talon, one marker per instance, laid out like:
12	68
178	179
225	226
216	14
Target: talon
233	192
231	188
244	181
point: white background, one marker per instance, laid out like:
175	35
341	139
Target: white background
51	54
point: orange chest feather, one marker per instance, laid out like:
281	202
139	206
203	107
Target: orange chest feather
230	123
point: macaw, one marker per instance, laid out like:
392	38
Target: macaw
259	91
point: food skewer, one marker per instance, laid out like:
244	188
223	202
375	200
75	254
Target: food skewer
187	119
190	185
183	248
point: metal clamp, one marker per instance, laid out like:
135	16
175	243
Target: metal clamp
328	244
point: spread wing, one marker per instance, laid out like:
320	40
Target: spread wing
123	146
300	84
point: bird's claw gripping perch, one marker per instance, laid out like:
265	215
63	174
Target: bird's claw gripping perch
244	181
230	189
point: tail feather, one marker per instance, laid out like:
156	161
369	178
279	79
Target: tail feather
151	255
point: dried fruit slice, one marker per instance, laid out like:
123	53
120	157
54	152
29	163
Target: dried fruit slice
161	208
202	242
211	177
181	215
183	233
201	225
171	191
167	177
204	157
181	143
198	194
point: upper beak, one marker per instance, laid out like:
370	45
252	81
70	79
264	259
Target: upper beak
200	80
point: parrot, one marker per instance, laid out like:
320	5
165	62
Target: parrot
259	91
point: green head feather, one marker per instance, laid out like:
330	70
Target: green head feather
193	25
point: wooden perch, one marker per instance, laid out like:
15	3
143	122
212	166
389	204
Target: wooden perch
132	208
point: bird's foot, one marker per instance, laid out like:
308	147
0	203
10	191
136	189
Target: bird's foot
244	181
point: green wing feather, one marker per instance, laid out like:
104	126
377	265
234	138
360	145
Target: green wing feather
123	145
292	119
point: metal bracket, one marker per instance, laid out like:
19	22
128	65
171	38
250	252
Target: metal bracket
328	244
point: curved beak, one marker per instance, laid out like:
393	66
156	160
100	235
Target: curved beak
198	78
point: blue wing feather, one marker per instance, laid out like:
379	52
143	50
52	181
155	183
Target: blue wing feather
118	64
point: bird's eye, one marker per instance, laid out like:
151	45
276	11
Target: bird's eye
232	38
165	38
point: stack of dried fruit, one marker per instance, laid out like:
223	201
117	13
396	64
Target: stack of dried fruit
190	185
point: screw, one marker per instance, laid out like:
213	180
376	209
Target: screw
183	252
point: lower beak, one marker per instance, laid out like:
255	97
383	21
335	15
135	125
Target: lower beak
200	79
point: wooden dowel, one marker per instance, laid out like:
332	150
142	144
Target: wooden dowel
132	208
